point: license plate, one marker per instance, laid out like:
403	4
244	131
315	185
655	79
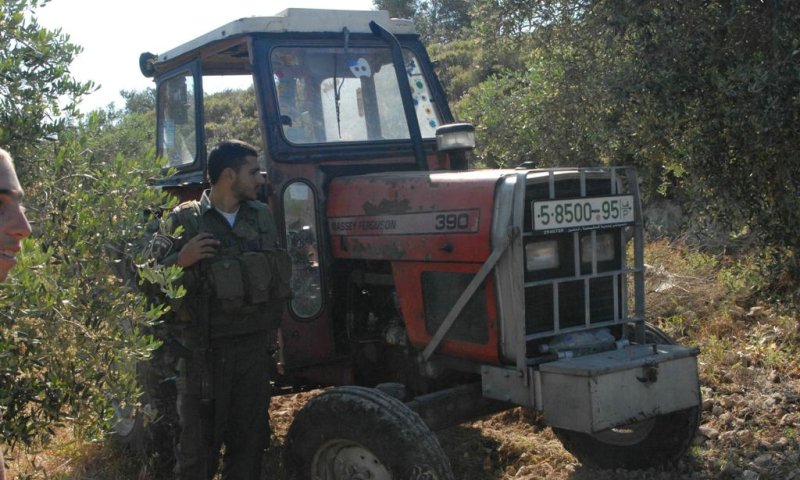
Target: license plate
582	213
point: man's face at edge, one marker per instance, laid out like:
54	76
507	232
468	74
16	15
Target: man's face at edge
14	226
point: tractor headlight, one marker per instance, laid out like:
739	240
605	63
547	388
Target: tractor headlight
541	255
605	248
455	136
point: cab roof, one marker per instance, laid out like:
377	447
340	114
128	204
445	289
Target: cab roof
295	20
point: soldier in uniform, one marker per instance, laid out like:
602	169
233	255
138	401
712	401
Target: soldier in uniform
14	227
237	282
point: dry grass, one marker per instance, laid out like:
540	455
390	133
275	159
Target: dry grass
749	367
68	457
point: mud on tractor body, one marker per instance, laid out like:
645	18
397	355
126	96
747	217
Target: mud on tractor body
426	293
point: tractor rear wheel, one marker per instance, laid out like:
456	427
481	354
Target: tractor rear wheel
657	441
653	442
356	432
653	334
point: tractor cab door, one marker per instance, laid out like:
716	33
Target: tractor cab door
199	104
178	118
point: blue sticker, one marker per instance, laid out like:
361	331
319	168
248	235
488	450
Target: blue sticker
432	123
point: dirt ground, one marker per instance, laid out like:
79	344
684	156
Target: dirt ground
750	430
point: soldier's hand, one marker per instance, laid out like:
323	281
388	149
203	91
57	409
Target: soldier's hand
199	247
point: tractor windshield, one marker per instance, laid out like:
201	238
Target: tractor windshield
335	94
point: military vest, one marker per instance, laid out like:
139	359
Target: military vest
245	285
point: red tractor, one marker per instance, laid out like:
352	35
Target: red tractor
427	293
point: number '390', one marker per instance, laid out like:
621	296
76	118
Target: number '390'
452	221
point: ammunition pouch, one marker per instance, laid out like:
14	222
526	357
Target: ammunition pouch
239	282
226	278
248	291
258	275
250	278
226	284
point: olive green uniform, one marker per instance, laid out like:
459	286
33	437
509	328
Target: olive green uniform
224	328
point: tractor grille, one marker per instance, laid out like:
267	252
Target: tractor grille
581	279
440	292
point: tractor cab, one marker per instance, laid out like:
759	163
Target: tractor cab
335	87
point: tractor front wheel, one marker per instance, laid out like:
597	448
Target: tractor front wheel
355	432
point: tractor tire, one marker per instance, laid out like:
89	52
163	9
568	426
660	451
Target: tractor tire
653	334
654	442
356	432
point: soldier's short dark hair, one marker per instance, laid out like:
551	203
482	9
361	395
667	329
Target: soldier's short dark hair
228	154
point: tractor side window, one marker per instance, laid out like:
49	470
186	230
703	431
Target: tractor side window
333	94
177	134
301	241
